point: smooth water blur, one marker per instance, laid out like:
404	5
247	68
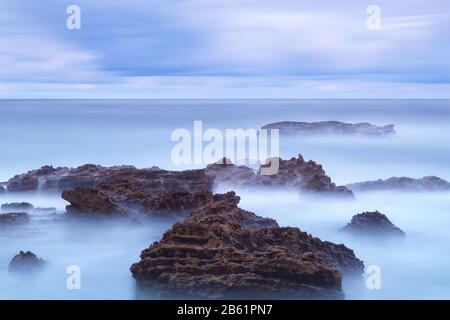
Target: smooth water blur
71	133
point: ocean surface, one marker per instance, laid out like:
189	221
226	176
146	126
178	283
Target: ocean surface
34	133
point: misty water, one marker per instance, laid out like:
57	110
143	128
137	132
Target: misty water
72	133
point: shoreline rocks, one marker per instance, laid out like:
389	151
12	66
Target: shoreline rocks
425	184
292	128
17	206
128	186
372	224
26	262
222	251
13	219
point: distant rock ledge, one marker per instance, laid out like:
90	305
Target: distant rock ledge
425	184
331	128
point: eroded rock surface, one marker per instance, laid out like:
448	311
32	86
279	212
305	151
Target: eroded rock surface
296	174
430	183
90	201
223	251
372	224
331	128
26	262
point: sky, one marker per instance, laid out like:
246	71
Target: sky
200	49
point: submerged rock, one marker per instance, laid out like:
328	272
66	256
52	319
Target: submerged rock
13	219
430	183
372	224
17	206
221	251
331	128
26	262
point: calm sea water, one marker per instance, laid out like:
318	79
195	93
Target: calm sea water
71	133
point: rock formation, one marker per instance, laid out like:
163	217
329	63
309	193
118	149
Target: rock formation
26	262
222	251
13	219
424	184
128	186
17	206
90	201
372	224
296	174
331	128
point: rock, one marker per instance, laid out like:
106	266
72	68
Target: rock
45	210
26	262
175	202
13	219
331	128
372	224
17	206
424	184
129	189
296	174
90	201
221	251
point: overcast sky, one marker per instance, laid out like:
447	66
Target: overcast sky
225	49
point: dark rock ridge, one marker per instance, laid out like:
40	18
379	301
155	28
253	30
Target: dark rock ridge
372	224
175	202
430	183
88	201
26	262
221	251
331	128
296	173
13	219
128	186
17	206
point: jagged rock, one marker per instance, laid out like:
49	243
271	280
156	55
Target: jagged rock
17	206
13	219
175	202
331	128
372	224
26	262
430	183
296	173
45	210
90	201
221	250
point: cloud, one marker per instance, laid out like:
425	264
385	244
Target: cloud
247	48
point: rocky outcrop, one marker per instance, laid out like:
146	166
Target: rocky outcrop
90	201
26	262
13	219
372	224
424	184
296	174
331	128
175	202
128	186
222	251
17	206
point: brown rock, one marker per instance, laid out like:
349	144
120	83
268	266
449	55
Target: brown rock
221	250
372	224
90	201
